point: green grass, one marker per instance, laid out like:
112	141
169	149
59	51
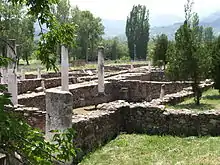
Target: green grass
34	64
210	100
156	150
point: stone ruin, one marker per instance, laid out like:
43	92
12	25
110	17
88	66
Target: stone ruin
102	105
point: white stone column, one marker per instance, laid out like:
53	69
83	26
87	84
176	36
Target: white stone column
39	73
12	72
149	66
64	69
162	91
58	111
101	83
22	74
43	85
12	86
4	77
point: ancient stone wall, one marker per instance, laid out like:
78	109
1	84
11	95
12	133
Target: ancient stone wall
101	125
85	94
36	100
157	75
31	84
156	120
147	90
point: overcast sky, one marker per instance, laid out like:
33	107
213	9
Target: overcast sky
119	9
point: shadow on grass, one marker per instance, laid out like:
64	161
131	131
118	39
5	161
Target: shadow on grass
193	106
212	97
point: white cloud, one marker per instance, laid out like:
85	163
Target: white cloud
119	9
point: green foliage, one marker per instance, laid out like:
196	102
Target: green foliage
210	100
115	49
137	32
151	150
215	69
189	60
208	34
47	51
62	11
26	41
15	134
15	24
160	49
89	34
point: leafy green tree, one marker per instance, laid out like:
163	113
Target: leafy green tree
137	32
89	33
208	34
208	43
62	11
115	48
189	60
160	49
17	25
26	42
15	134
215	69
62	14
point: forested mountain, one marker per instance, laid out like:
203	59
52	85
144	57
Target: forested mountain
164	24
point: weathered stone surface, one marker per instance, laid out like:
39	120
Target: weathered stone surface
58	110
96	127
32	84
86	93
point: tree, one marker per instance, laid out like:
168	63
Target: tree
137	32
15	134
62	11
115	48
160	49
16	24
208	34
189	60
215	69
26	42
89	30
62	14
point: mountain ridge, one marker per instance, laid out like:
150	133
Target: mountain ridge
212	20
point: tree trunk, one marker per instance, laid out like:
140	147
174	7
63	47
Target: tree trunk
198	98
26	58
197	92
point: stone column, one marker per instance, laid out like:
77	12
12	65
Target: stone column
22	74
101	83
64	69
39	73
162	91
43	85
132	67
149	66
4	77
12	72
58	111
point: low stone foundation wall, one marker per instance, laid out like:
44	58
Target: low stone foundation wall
157	75
85	94
97	127
31	84
80	72
157	120
138	91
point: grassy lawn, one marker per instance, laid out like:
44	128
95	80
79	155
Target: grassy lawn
34	64
156	150
210	100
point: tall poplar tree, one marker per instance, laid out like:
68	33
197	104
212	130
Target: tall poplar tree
137	32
